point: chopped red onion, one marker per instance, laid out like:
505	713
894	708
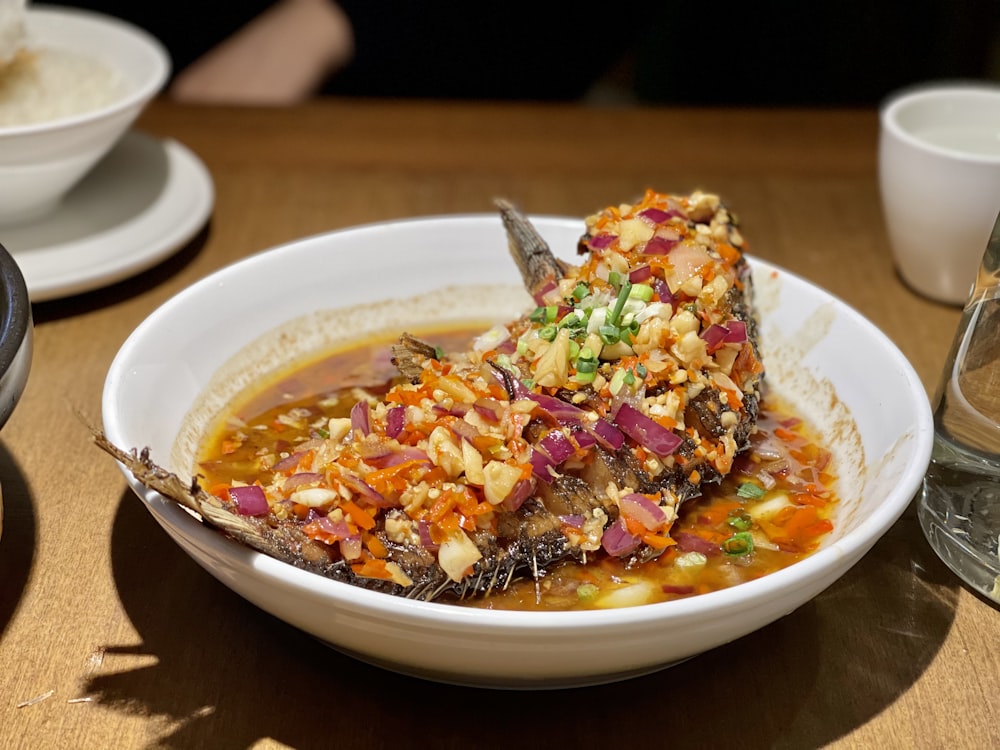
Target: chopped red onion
289	462
601	241
557	446
523	489
541	295
642	509
338	529
489	408
395	421
714	336
424	529
609	436
250	501
640	274
736	332
617	540
659	246
688	542
463	430
574	520
540	463
562	411
662	289
360	421
646	432
654	215
394	458
363	489
583	439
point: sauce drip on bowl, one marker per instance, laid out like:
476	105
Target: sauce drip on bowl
773	510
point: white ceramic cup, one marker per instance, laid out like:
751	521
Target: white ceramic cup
939	177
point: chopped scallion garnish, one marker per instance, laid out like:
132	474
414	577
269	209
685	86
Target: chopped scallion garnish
581	291
643	292
742	522
623	293
609	334
548	333
751	490
738	544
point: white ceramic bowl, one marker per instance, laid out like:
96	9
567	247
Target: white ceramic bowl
834	365
39	163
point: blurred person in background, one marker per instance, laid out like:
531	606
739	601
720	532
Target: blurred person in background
851	52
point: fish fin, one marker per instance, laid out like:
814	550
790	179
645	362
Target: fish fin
538	266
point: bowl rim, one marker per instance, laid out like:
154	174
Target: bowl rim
891	108
146	89
15	309
818	565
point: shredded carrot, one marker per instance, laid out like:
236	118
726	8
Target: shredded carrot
375	546
358	515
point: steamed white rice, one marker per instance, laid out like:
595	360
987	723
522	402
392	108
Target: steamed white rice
49	84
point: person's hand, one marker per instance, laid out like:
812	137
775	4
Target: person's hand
279	58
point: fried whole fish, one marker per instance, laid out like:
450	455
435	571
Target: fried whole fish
573	431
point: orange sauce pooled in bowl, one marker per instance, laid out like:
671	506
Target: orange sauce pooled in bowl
773	509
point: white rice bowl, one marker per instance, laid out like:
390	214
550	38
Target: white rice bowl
82	81
182	364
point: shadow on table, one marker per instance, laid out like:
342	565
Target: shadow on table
17	539
227	675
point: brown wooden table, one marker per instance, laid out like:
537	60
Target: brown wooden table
111	637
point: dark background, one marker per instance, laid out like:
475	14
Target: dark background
851	52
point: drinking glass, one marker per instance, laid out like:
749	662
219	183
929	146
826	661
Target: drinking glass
959	507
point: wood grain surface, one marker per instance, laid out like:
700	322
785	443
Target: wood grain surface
111	637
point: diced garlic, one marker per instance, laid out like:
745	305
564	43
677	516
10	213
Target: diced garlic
457	554
499	480
314	497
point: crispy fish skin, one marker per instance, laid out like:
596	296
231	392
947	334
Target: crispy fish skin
577	428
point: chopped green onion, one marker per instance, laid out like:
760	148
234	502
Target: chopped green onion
643	292
574	349
620	302
522	346
537	315
609	334
548	333
615	279
629	378
738	544
438	352
323	432
581	291
585	377
551	311
640	370
528	383
586	365
587	591
742	522
751	490
587	353
503	360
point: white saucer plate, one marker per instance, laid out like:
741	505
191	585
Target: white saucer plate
139	205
